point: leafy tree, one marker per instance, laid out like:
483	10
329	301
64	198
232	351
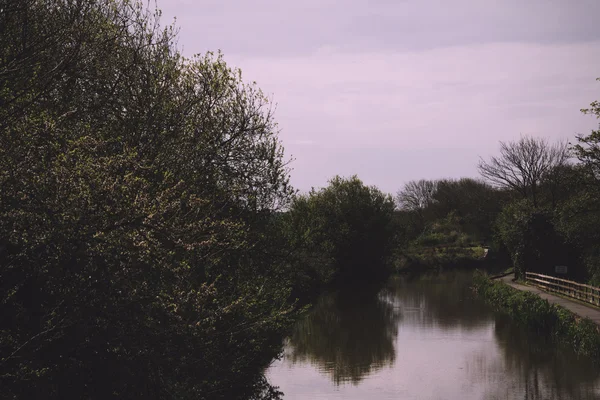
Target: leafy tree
534	243
588	148
579	215
348	225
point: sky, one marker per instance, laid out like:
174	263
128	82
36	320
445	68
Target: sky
399	90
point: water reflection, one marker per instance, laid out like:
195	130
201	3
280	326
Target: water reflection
537	367
346	335
425	339
438	301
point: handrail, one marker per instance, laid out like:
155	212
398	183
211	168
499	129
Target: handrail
576	290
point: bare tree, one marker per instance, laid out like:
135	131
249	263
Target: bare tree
416	196
523	165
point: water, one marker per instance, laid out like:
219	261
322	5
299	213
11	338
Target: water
426	339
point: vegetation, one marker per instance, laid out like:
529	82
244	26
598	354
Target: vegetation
343	233
443	245
540	316
143	249
536	209
137	191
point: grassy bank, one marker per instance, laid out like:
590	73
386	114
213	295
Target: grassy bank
442	245
540	316
436	257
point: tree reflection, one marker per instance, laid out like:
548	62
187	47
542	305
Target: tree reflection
542	371
445	301
348	335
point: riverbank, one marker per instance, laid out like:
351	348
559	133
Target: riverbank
538	315
431	327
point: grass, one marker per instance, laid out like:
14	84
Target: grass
540	316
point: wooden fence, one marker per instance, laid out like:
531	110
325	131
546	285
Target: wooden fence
580	291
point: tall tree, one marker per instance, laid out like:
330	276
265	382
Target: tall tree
524	164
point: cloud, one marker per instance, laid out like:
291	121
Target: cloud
463	98
282	28
362	98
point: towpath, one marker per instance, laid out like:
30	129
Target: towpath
574	306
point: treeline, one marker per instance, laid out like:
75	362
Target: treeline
150	243
537	204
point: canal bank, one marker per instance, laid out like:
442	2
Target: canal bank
556	318
424	338
577	308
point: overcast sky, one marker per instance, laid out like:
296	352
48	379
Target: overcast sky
395	90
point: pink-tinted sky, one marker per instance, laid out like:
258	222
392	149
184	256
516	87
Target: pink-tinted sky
396	90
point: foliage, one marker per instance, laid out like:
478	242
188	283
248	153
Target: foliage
534	243
540	316
588	148
346	230
579	217
137	199
475	204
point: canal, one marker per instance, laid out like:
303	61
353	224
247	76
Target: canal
429	339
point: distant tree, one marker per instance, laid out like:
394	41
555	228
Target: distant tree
348	225
417	196
523	165
475	202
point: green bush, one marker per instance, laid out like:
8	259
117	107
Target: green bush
344	231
